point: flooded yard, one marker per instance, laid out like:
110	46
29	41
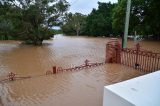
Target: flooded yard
80	88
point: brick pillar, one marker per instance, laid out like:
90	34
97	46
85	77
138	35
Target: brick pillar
109	53
113	51
118	52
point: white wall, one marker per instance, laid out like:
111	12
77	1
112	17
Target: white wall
140	91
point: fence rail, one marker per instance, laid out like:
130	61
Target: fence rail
136	57
140	59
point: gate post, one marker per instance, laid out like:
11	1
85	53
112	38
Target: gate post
137	52
113	51
54	70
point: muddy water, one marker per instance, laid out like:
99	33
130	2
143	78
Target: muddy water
82	88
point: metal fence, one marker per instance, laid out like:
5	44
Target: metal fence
136	57
140	59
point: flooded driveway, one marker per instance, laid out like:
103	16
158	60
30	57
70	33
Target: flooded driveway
80	88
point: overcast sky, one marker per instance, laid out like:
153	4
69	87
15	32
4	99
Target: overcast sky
85	6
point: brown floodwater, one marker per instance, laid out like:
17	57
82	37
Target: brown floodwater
80	88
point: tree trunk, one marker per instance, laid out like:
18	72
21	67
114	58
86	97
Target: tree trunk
5	37
77	32
38	42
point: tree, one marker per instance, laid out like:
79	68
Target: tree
151	18
119	16
99	22
37	17
74	23
8	20
5	28
144	17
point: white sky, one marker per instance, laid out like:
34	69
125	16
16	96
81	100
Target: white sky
85	6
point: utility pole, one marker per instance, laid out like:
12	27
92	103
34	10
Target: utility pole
124	39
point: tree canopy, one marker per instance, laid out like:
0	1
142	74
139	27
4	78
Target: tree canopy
99	22
144	17
73	23
32	20
33	17
109	19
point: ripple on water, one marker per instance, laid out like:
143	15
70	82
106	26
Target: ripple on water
80	88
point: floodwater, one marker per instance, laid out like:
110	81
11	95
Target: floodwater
80	88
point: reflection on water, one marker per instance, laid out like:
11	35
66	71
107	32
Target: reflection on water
82	88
